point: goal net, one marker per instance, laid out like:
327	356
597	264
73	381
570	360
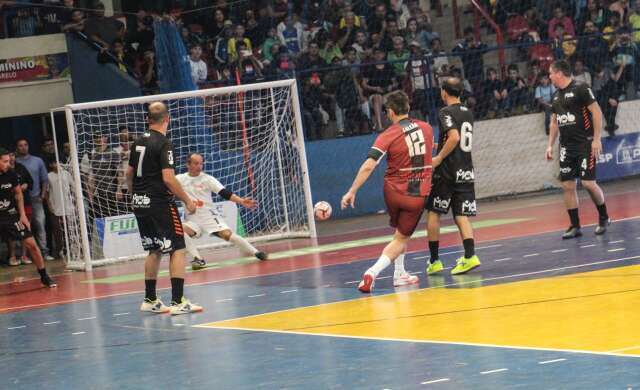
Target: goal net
251	140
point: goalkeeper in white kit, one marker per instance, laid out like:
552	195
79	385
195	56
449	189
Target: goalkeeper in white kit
199	186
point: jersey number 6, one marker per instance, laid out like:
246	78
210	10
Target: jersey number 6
466	137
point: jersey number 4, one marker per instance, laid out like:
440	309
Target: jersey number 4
140	149
415	143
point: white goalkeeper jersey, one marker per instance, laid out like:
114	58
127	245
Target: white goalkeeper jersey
200	188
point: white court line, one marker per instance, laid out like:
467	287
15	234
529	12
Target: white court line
559	250
326	286
224	300
78	333
352	282
616	242
419	257
552	361
531	255
588	246
435	381
51	323
178	324
505	259
384	277
493	371
257	295
288	291
624	349
415	273
478	248
616	250
17	327
86	318
121	314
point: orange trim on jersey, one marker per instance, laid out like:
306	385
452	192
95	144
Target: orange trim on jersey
587	121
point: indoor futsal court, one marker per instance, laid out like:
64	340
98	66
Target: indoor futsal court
540	313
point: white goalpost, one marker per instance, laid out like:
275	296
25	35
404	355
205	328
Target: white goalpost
251	139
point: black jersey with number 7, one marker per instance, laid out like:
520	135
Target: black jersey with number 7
150	154
457	167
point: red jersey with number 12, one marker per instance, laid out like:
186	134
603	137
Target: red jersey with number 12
408	145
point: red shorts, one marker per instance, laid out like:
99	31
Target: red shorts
404	210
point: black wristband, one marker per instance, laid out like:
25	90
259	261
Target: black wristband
225	193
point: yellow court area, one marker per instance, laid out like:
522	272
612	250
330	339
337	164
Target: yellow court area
593	311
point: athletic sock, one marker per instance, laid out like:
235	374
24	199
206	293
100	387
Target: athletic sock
150	289
602	212
433	250
243	244
382	263
573	216
191	246
177	290
399	266
43	273
469	248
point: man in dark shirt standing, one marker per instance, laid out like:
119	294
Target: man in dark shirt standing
578	119
14	224
153	184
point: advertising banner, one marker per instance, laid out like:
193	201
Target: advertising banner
35	68
620	157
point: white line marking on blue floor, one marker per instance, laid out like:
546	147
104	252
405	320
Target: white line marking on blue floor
588	246
326	285
86	318
559	250
178	324
288	291
505	259
78	333
121	314
419	257
552	361
531	255
616	250
493	371
435	381
415	273
257	295
51	323
224	300
384	277
352	282
17	327
616	242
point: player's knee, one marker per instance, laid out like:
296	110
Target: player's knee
225	234
589	184
569	185
30	244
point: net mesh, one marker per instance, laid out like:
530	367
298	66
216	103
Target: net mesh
249	143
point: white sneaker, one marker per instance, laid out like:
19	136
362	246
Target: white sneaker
26	260
405	279
154	306
184	307
14	262
49	258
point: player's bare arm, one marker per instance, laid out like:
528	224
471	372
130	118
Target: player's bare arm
596	114
169	179
349	199
453	138
553	135
129	176
244	202
20	205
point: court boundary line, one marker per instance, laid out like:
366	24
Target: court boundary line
47	304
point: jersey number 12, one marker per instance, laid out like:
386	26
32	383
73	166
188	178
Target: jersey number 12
415	143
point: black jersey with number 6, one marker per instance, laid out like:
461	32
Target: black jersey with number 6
150	154
457	167
573	116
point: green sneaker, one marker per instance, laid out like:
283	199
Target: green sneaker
465	265
435	267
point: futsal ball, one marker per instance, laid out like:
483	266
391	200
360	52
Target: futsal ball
322	210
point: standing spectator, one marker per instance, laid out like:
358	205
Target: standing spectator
418	72
231	45
471	52
76	23
624	54
102	29
378	79
377	23
48	149
124	151
214	29
592	49
268	43
341	82
116	55
493	96
311	110
51	17
607	91
24	24
595	14
141	39
414	34
247	65
580	74
362	47
221	47
559	18
544	94
622	8
103	178
38	194
347	33
16	252
60	205
198	66
291	36
149	73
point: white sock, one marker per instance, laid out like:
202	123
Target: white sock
243	244
191	246
399	266
382	263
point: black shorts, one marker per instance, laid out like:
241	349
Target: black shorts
577	164
160	228
461	198
14	230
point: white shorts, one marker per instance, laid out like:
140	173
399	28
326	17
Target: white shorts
205	221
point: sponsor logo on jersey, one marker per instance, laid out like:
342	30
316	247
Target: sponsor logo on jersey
563	154
468	207
6	186
464	175
410	127
146	241
170	157
463	108
448	120
4	204
163	244
565	170
141	200
566	119
568	95
441	203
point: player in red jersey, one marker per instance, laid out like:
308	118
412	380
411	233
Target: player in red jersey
407	143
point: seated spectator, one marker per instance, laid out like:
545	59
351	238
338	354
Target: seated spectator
398	57
595	14
559	18
362	46
248	65
376	23
471	52
390	31
231	44
438	56
592	49
377	80
607	91
76	24
622	8
269	42
311	59
149	73
413	34
116	55
517	92
347	32
198	66
329	51
564	44
634	21
544	94
624	55
213	29
291	36
221	48
103	30
580	74
188	39
254	31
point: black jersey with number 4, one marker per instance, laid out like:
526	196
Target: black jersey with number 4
572	115
457	166
8	209
150	154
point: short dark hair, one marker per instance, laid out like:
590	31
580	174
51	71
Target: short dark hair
3	151
157	112
398	102
22	139
562	66
468	30
453	86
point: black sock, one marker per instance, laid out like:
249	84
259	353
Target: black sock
433	250
150	289
602	212
43	273
469	248
573	216
177	289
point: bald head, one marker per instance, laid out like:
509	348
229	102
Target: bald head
157	113
194	164
453	86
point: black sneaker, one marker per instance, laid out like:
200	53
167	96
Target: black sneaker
261	256
572	232
197	263
48	282
602	226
